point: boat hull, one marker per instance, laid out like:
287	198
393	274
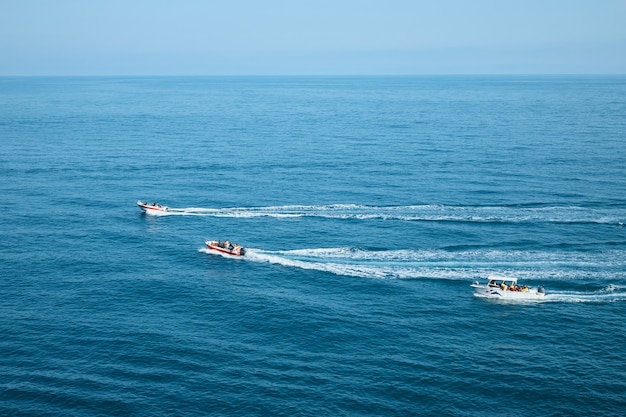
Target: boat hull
235	251
500	294
152	208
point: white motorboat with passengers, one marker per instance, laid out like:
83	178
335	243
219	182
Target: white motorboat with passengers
152	208
226	247
506	288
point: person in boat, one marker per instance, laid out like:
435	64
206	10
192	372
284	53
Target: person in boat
503	285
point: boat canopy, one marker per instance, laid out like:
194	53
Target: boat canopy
497	279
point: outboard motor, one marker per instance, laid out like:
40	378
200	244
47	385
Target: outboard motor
540	290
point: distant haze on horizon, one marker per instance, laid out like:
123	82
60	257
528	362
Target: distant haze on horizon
312	37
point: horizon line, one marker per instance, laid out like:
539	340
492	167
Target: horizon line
469	74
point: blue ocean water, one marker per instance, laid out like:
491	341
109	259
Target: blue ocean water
368	206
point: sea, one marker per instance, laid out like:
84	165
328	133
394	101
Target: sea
368	206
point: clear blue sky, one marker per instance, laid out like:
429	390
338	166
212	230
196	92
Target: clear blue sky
233	37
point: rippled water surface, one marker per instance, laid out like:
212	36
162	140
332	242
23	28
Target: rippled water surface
368	206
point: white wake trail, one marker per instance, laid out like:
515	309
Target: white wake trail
424	213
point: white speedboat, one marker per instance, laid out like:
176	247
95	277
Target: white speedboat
152	208
225	247
506	288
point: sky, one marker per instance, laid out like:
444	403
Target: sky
312	37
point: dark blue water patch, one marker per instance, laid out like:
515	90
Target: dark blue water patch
368	205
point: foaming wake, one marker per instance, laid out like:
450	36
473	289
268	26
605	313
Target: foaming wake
424	213
610	293
537	267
